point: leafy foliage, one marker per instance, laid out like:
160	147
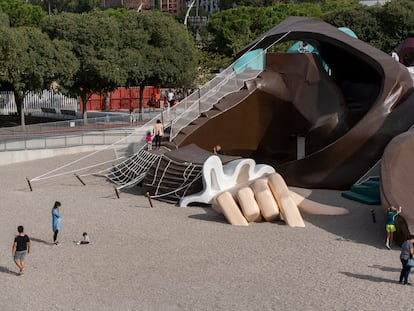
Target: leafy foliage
95	42
396	19
362	20
30	61
234	28
74	6
22	14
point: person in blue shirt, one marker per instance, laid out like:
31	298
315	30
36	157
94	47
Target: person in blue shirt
390	224
56	222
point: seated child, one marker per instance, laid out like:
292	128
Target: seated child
85	239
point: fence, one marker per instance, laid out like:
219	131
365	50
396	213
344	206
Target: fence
119	99
35	102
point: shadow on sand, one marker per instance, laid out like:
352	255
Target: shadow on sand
369	278
7	270
40	241
209	215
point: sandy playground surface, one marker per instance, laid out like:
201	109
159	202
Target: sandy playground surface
171	258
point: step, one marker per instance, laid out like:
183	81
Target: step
361	198
371	183
372	191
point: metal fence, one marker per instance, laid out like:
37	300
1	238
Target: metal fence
35	102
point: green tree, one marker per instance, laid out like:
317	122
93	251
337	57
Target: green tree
30	62
156	50
74	6
4	19
95	40
362	20
22	14
396	19
234	28
209	65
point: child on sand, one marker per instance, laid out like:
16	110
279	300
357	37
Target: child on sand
390	224
85	239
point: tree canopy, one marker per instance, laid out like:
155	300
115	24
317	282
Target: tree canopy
30	62
232	29
22	14
125	49
95	43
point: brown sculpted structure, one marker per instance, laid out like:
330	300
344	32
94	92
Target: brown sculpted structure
345	116
397	175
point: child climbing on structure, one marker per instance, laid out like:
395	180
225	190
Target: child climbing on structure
390	224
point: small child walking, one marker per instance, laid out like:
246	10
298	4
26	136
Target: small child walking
149	140
390	224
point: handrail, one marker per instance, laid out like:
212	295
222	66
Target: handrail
189	115
222	82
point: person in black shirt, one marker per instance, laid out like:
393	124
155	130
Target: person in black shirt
21	247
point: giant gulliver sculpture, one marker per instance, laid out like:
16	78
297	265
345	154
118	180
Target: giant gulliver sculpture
345	116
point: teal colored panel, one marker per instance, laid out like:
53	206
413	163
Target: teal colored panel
253	60
348	31
295	48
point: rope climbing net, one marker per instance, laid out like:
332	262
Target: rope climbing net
172	180
131	171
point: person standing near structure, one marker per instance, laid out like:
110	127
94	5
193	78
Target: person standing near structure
395	56
132	116
56	222
20	248
158	131
152	102
390	224
171	97
407	252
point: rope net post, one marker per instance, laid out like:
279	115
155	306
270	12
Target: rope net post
149	199
77	176
30	185
116	192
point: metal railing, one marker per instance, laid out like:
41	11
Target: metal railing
106	121
64	141
223	84
70	133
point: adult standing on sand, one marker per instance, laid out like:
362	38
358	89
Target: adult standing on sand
21	247
56	222
407	252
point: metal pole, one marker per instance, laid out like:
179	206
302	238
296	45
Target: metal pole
199	101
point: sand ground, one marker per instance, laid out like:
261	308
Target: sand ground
171	258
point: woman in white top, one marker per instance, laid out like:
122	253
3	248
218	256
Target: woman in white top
158	131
